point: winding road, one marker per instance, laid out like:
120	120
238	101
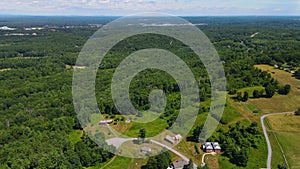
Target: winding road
267	137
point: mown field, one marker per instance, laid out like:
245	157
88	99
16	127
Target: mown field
287	130
279	103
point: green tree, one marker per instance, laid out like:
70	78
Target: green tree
270	91
297	74
162	160
246	96
297	112
239	96
142	134
285	89
256	94
282	166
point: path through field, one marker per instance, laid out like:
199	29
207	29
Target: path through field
267	137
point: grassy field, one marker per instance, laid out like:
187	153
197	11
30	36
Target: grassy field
287	130
119	163
279	103
152	129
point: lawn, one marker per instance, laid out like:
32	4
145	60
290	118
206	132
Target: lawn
119	163
152	128
287	130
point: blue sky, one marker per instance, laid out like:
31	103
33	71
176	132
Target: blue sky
127	7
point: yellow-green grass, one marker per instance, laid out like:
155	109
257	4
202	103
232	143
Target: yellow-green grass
120	163
279	103
252	107
75	136
231	114
287	130
97	166
188	149
152	128
130	149
250	90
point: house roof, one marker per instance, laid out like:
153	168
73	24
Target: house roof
170	139
217	148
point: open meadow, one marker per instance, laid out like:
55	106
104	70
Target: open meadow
287	130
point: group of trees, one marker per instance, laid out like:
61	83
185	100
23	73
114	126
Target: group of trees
244	98
162	160
38	120
237	141
268	92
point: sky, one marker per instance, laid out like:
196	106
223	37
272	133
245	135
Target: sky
129	7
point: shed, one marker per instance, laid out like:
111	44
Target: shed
145	149
169	139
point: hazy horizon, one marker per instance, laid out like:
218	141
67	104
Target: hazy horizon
129	7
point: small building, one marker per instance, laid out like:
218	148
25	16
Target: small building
217	147
209	149
212	147
170	139
145	149
178	137
179	164
105	122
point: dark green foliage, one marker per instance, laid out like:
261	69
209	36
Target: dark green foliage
239	96
246	96
297	112
196	146
142	134
163	160
240	157
256	94
270	91
237	142
297	74
285	89
199	134
282	166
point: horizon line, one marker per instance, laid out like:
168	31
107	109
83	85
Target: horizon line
241	15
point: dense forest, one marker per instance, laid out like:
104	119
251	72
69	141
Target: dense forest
37	118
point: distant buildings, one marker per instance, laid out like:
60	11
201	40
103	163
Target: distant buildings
212	147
